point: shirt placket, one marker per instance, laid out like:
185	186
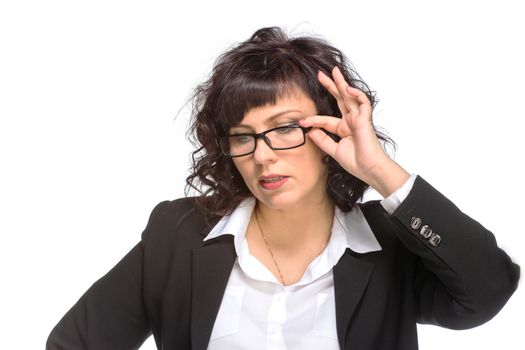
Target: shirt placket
276	320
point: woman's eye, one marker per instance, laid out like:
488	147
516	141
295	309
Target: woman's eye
241	139
285	129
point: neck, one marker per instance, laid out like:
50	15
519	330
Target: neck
298	227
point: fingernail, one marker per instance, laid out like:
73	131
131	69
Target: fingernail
303	121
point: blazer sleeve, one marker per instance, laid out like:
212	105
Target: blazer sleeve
463	278
111	313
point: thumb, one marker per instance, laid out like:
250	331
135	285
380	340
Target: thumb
323	141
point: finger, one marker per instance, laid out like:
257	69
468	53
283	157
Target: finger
358	94
324	141
332	89
365	108
329	123
349	100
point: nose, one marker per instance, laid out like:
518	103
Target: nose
263	153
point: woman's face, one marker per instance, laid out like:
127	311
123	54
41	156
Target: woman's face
306	173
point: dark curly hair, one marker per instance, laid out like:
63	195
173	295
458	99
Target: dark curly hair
254	73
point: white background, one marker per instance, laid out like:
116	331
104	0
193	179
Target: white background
93	120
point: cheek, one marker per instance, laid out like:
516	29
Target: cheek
315	155
242	166
315	164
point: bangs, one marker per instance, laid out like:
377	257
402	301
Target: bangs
246	90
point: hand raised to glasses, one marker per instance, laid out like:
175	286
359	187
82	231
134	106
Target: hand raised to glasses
359	151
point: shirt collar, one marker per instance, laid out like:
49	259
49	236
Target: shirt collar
350	229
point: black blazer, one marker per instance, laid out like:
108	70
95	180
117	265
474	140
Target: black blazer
171	283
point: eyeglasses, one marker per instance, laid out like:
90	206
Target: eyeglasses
282	137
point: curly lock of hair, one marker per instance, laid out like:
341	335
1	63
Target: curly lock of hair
254	73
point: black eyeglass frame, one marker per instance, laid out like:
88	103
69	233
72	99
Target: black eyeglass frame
262	135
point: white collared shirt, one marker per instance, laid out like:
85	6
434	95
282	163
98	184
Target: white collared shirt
257	312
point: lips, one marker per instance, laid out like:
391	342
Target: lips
272	182
271	178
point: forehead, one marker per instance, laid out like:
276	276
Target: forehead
289	107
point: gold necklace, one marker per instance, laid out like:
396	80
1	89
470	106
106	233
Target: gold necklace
270	250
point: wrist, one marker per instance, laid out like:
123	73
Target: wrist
387	177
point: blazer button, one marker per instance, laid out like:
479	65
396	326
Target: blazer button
434	240
425	231
415	223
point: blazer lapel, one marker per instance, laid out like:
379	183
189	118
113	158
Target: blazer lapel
211	268
351	276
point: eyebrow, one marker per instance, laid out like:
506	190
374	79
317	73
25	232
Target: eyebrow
270	120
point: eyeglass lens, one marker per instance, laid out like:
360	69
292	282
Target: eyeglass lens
281	138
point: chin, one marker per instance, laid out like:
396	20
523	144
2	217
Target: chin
277	201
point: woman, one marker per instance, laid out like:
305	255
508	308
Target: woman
277	252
